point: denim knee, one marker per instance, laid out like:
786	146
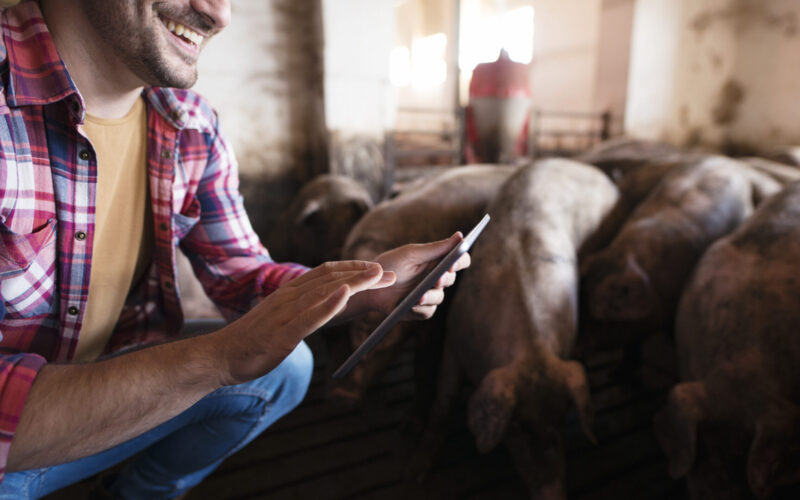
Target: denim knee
296	372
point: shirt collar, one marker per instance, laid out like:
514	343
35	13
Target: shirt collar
38	76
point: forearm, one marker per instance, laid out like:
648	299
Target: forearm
73	411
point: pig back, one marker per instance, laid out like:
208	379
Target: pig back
452	201
519	294
639	276
744	295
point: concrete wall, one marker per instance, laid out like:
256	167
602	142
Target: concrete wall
565	51
264	75
613	58
719	73
359	100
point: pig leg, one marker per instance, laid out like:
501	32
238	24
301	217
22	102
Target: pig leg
449	384
538	456
676	425
774	457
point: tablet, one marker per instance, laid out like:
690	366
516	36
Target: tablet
412	298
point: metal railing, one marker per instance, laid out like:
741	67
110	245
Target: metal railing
441	140
566	133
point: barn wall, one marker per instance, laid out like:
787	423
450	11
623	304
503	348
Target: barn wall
264	75
718	73
359	100
565	52
613	57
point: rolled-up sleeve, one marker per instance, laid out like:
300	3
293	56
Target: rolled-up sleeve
228	258
17	373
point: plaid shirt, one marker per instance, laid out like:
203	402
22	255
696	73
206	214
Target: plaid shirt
48	179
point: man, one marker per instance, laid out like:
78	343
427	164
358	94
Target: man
104	170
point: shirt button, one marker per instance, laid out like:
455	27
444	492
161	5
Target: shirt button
80	236
163	226
72	311
168	285
166	154
84	155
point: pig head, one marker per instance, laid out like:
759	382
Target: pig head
313	228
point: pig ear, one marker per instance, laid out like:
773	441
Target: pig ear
574	378
310	208
360	207
676	425
774	458
491	407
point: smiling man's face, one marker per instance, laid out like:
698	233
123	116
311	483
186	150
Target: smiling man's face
159	41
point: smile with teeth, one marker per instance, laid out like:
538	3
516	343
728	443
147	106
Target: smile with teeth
183	31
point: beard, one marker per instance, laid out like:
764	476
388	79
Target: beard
137	36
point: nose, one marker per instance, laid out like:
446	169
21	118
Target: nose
217	12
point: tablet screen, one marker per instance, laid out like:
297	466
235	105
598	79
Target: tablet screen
412	298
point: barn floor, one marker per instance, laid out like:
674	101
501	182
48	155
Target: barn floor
326	451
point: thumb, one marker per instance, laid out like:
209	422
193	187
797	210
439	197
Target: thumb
429	251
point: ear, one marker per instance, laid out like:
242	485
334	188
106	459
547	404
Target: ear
359	207
310	208
774	458
491	407
676	425
573	377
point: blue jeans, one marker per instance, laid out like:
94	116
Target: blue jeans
181	452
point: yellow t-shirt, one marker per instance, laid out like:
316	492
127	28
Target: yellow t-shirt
123	241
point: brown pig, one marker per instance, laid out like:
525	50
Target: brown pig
451	201
733	424
638	278
513	321
314	226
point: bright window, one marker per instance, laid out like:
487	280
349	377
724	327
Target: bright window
424	66
483	37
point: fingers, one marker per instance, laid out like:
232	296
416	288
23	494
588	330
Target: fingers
446	280
463	262
423	312
432	297
333	270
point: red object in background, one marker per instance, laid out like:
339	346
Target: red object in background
501	79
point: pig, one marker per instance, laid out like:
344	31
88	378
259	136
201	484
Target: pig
733	423
616	157
638	278
513	322
314	226
451	201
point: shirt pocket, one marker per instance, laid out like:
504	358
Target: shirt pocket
183	222
27	270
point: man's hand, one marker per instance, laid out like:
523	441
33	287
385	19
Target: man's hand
258	341
409	264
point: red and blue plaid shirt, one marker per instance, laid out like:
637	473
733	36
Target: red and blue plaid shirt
48	179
